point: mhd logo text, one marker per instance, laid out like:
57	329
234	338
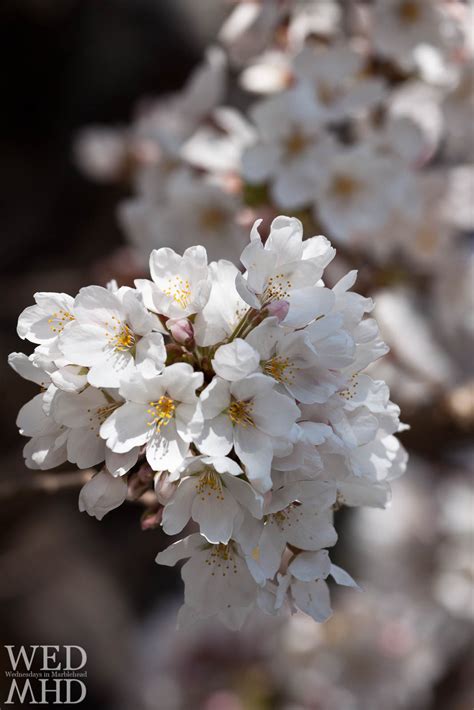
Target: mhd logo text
58	681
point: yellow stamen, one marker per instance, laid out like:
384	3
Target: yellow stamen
59	320
279	368
240	412
221	557
161	412
209	483
120	335
180	291
278	288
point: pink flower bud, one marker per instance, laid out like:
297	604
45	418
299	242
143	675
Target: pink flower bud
181	330
151	519
279	309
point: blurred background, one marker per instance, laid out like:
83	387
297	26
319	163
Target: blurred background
406	642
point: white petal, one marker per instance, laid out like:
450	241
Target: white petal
102	494
235	360
180	549
126	428
215	516
217	436
313	598
308	566
177	512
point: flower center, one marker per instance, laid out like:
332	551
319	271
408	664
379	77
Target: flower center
351	390
59	320
240	412
278	288
179	290
344	186
296	143
209	483
280	368
161	412
98	416
119	335
409	11
221	559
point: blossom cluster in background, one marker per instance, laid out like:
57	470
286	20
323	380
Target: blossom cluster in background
241	395
357	118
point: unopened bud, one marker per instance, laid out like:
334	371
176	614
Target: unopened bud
139	482
181	330
279	309
151	518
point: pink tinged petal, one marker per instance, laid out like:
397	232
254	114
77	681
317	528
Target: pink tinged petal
255	450
127	427
181	549
313	598
102	494
181	330
308	566
85	448
278	309
177	512
215	515
235	360
120	464
217	436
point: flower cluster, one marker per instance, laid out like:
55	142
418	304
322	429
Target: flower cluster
239	395
361	114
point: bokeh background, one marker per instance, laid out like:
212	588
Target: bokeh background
405	642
